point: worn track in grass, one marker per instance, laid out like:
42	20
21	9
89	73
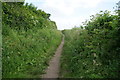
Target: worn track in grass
54	65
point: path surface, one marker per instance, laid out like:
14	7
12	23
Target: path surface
53	70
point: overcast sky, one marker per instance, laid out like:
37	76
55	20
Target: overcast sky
70	13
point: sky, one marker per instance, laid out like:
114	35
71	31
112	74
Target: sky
70	13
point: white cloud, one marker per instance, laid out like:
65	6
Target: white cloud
64	11
68	13
68	7
68	22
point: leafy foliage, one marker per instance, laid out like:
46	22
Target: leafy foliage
29	40
25	17
93	52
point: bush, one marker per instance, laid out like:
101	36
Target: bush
30	39
92	52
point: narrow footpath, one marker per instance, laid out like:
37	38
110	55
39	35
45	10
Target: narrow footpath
54	65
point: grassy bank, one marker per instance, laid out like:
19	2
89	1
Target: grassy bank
92	51
30	39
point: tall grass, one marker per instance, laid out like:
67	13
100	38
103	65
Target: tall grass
92	52
26	54
30	39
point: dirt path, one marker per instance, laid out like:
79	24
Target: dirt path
53	70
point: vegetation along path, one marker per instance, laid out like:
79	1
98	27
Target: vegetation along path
53	70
